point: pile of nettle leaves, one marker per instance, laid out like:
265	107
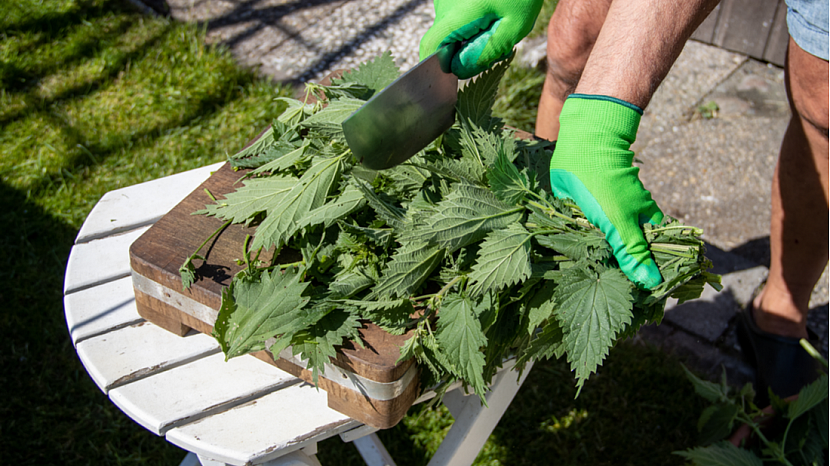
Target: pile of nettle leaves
462	246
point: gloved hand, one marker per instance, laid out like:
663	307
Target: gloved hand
592	165
492	28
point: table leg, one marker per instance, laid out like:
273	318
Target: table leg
473	422
373	452
295	458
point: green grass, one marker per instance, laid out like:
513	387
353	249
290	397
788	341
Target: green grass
94	97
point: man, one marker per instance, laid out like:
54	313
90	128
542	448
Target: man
606	58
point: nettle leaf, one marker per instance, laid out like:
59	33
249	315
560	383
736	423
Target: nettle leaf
336	209
255	196
505	180
464	217
504	259
257	147
479	147
541	305
572	244
319	344
472	173
393	215
408	269
720	454
328	121
380	236
351	282
462	340
254	311
375	74
593	309
310	192
809	397
187	272
393	315
283	161
717	422
346	90
475	100
295	112
710	391
546	344
275	151
408	179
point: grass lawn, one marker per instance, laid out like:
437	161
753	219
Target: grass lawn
93	97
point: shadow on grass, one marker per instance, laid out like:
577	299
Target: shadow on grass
52	412
51	27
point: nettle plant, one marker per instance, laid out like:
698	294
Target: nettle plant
463	246
792	431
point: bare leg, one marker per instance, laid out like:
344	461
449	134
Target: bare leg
572	32
798	229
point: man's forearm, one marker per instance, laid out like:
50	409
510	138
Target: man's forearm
637	46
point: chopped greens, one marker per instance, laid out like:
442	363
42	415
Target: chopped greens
461	246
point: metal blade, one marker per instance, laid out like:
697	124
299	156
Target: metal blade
406	116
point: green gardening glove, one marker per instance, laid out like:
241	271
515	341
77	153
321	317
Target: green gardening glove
491	27
592	165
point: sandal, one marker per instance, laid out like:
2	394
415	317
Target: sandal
780	363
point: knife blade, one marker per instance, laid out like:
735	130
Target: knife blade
407	115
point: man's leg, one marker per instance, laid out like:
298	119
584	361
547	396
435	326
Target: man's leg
572	32
798	229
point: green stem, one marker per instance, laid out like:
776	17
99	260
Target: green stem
775	449
449	285
551	211
290	264
695	231
813	352
674	249
218	230
541	198
210	195
554	259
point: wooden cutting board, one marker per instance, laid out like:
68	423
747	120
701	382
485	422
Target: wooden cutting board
364	383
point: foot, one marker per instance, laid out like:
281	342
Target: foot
780	363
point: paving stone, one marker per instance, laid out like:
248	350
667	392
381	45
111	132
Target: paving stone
709	316
697	353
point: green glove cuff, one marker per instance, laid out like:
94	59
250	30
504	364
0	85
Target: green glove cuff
592	165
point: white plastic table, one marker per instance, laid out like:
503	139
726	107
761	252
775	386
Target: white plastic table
240	412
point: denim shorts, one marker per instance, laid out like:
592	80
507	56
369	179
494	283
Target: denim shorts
807	21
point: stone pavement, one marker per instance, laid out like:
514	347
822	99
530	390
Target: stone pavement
713	173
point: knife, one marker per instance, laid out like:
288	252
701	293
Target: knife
407	115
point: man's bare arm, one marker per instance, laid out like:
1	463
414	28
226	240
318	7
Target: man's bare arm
637	46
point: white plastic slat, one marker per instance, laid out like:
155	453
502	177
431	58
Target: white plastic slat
101	309
142	204
264	429
131	353
373	452
99	261
201	388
